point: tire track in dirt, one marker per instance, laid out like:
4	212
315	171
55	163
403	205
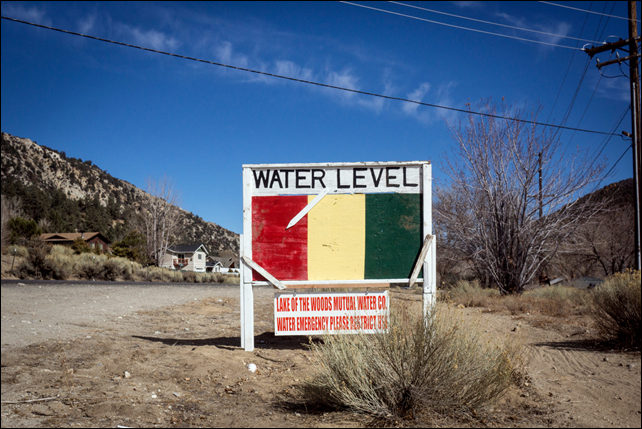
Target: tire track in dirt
594	387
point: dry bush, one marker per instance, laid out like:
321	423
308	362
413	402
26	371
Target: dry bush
558	301
57	249
189	277
18	251
175	276
440	364
227	278
156	274
89	266
40	264
206	277
561	301
471	294
616	308
61	265
117	268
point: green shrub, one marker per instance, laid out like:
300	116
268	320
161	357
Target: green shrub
22	230
616	309
442	363
80	246
132	247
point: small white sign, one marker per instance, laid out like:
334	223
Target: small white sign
321	313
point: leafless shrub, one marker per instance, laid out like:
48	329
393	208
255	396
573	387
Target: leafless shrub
159	216
10	207
489	215
442	363
616	309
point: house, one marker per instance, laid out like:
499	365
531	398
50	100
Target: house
225	265
188	257
95	240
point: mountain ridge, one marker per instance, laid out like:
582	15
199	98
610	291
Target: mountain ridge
28	167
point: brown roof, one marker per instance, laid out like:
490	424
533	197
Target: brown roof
71	236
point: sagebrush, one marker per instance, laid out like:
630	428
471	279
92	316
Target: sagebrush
435	364
616	309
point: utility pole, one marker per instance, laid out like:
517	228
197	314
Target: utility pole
541	206
636	119
636	124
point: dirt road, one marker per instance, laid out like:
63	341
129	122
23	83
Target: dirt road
166	355
37	311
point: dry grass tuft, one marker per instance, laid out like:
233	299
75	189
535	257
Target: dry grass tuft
442	364
616	309
557	301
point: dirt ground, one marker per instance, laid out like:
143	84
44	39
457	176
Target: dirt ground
160	355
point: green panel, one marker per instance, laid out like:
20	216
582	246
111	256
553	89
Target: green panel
393	235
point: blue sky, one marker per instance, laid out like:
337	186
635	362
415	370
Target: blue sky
138	114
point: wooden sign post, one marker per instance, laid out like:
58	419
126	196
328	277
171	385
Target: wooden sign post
355	225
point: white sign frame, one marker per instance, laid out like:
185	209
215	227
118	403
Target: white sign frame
388	173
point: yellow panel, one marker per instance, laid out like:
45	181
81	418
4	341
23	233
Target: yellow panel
337	238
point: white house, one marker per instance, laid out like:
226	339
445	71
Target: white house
188	257
224	265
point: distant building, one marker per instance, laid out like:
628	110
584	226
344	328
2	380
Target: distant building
95	240
187	257
225	265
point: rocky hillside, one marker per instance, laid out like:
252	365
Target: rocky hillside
36	173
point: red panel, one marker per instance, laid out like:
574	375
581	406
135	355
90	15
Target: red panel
283	253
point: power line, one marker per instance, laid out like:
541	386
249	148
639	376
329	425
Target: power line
588	11
460	27
567	70
324	85
608	139
616	162
607	19
492	23
599	80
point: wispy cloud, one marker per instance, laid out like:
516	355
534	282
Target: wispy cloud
614	89
149	38
441	96
348	79
226	53
468	4
290	69
556	30
31	14
86	24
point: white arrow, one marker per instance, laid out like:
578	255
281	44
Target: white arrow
307	208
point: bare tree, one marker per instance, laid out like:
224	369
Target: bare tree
160	216
490	209
10	207
603	246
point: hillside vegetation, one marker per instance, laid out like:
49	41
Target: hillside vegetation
66	194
